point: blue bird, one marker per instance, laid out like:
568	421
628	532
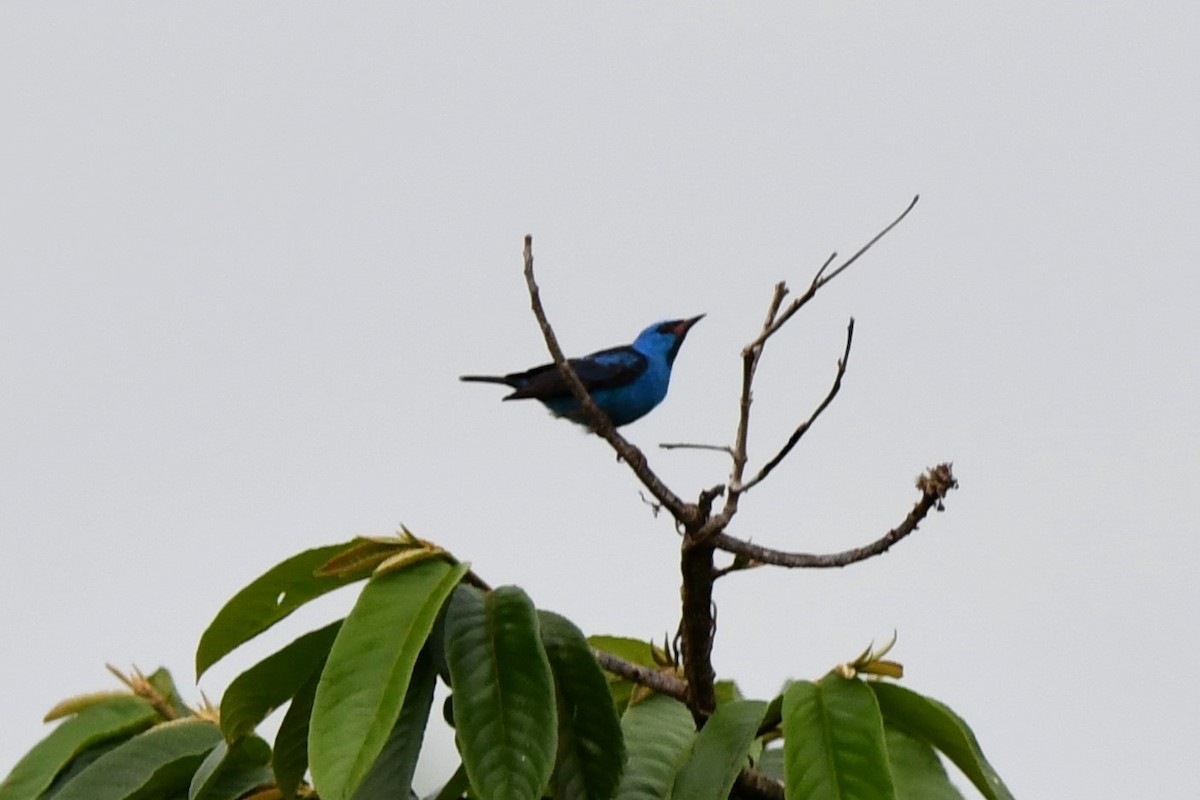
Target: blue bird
626	382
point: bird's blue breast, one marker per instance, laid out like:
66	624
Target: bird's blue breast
622	404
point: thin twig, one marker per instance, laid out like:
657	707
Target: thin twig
934	484
821	279
781	291
750	356
597	419
825	266
868	245
658	680
720	448
804	426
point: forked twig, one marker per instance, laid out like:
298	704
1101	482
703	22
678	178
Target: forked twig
804	426
821	279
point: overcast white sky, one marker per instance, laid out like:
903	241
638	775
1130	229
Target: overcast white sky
248	248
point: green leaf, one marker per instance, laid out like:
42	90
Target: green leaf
164	684
833	742
591	751
917	770
773	719
78	765
80	703
289	757
269	598
152	765
111	718
721	750
770	763
928	720
504	710
231	770
658	736
391	774
727	692
362	687
273	681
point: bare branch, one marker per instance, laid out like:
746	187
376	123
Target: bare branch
600	423
820	279
697	626
658	680
803	428
934	484
753	785
751	354
781	292
868	245
825	266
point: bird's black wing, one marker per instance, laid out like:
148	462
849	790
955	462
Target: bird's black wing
606	369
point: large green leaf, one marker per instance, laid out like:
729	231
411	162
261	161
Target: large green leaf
152	765
928	720
289	757
391	774
504	709
720	752
916	768
273	681
363	685
231	770
111	718
833	742
78	765
266	600
591	751
658	736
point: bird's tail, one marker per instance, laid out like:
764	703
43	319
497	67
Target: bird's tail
502	380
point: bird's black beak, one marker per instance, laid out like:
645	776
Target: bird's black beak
685	325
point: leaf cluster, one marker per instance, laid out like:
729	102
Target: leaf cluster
534	714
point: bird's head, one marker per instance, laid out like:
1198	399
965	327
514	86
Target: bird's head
664	338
